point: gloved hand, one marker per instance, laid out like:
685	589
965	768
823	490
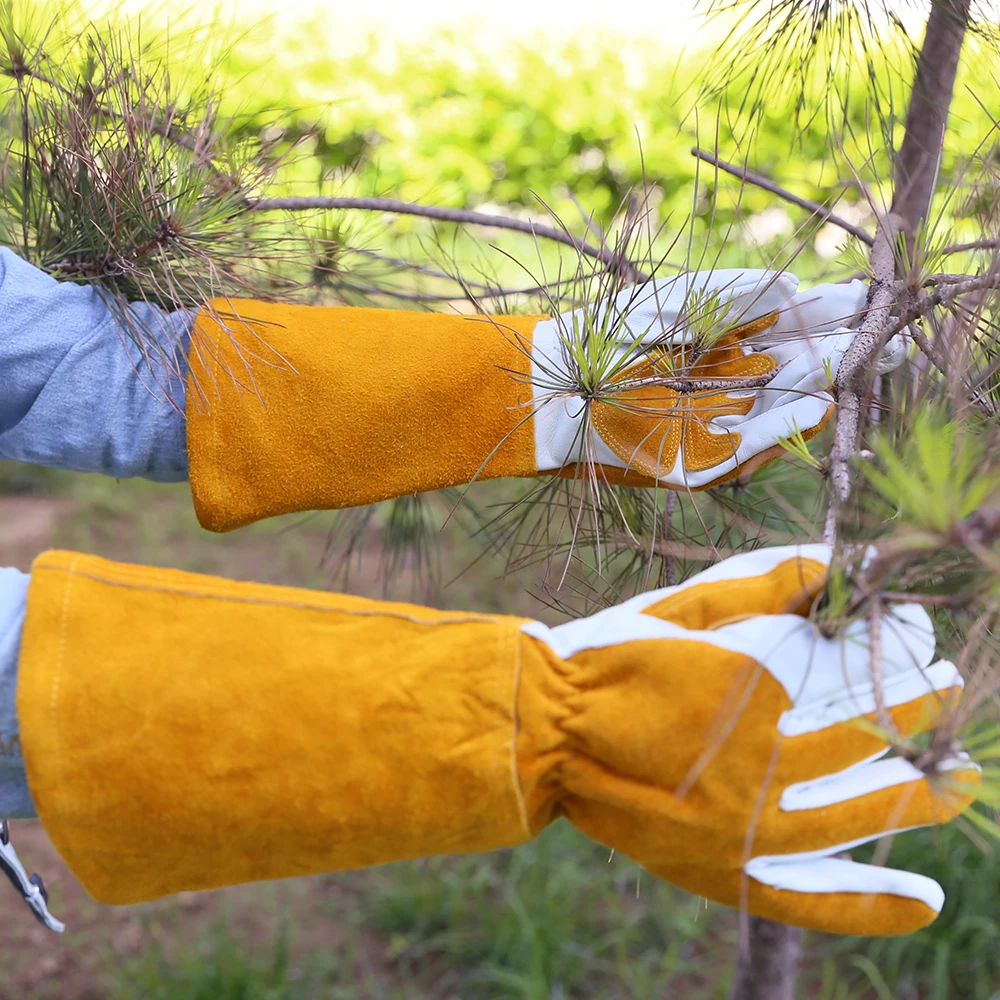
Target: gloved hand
709	731
690	437
290	398
283	402
185	732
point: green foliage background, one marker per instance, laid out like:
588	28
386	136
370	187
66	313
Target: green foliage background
439	123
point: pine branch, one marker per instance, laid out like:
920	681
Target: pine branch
990	244
164	128
945	294
460	215
759	180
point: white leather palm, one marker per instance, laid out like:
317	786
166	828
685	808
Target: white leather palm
808	341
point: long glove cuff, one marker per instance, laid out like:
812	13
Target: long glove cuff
186	732
283	401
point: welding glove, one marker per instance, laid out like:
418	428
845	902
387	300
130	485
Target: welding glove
298	408
185	732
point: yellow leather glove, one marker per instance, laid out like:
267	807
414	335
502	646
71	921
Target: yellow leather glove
184	732
300	408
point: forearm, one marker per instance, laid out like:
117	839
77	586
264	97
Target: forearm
300	408
77	393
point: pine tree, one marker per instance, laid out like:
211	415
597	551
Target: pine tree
121	174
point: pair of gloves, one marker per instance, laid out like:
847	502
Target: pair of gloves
184	732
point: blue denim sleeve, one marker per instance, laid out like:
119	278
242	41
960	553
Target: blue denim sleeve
75	392
15	799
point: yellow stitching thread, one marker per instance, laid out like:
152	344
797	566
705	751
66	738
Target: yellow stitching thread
636	459
236	599
522	807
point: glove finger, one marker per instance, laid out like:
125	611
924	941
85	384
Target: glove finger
654	308
822	352
770	581
828	680
807	354
914	702
861	780
910	803
893	354
842	897
793	411
713	453
824	307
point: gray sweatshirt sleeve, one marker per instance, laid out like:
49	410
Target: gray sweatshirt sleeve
15	799
75	392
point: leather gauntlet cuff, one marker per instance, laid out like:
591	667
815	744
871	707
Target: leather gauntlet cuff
293	408
186	732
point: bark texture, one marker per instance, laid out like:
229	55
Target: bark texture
927	115
768	968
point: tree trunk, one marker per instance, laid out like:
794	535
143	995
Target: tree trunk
933	84
768	968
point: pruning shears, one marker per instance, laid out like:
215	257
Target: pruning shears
31	888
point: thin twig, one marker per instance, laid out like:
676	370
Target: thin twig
976	532
669	562
461	215
433	272
164	130
683	385
412	296
882	716
993	244
944	294
925	600
759	180
922	341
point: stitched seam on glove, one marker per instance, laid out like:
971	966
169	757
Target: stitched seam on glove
57	672
454	618
635	459
522	806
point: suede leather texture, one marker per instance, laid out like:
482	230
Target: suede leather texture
648	427
294	408
283	400
668	751
186	732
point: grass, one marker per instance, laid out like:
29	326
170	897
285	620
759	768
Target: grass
219	969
